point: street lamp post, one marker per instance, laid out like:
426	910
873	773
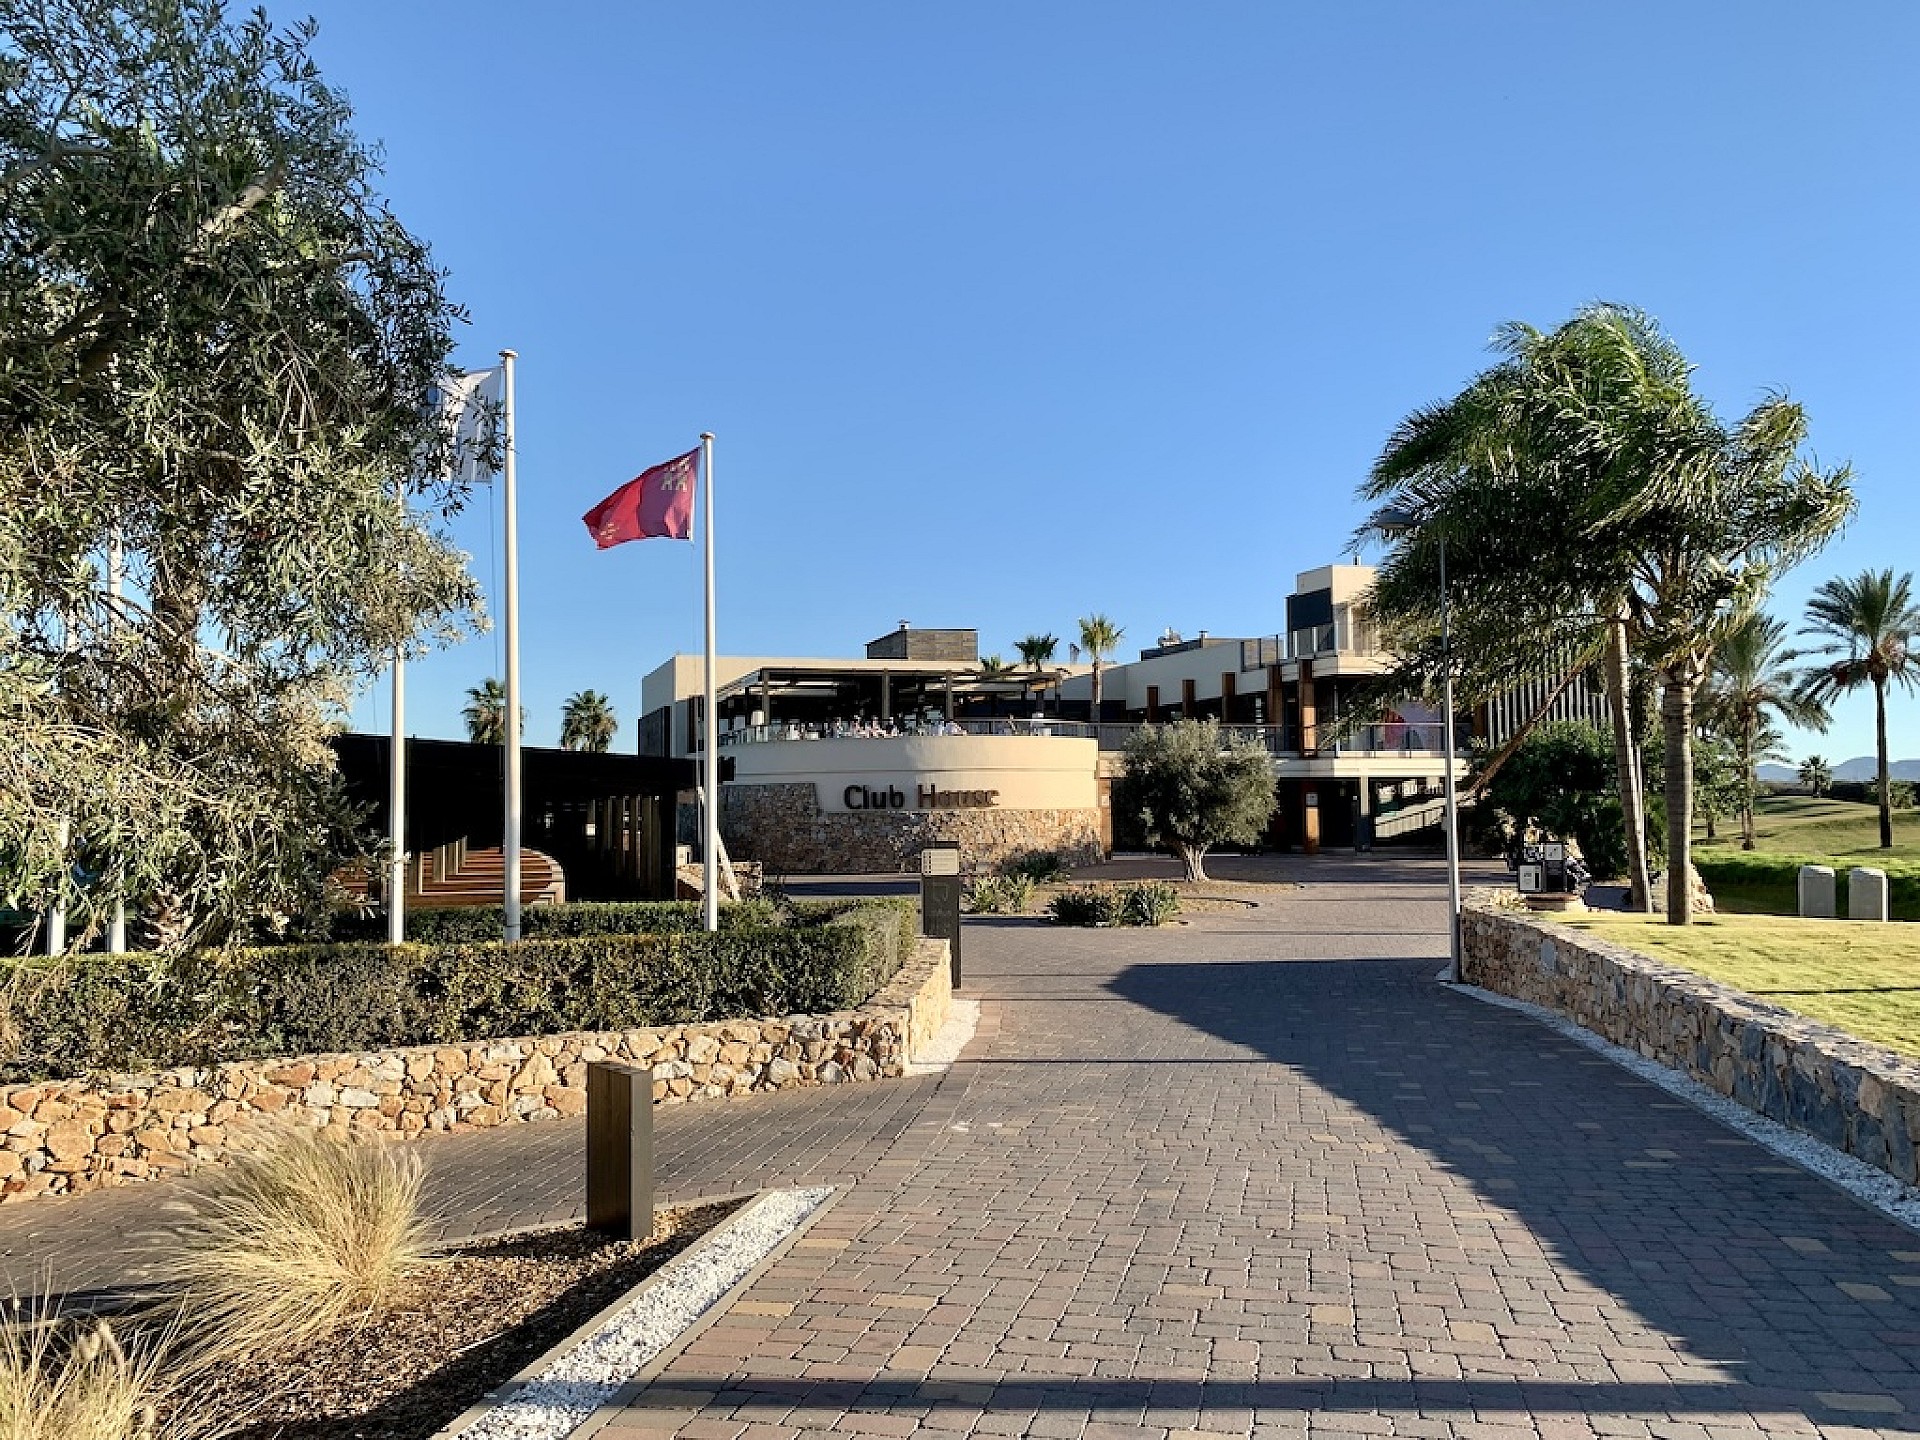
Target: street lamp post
1394	522
1453	812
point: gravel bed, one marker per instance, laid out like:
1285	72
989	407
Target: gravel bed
474	1316
1866	1183
552	1405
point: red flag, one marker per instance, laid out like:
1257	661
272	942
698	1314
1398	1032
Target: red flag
655	504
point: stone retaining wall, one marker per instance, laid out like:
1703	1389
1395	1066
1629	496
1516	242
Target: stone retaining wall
1857	1097
69	1135
783	827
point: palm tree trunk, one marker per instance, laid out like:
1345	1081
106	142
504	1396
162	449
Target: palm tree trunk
1880	738
1095	717
1676	713
1633	806
1746	782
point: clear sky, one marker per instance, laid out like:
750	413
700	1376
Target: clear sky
1004	313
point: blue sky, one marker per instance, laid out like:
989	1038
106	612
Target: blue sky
1006	313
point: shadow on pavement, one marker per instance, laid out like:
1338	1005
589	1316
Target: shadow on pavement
1677	1218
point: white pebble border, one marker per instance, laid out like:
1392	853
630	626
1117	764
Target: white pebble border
553	1403
945	1047
1866	1183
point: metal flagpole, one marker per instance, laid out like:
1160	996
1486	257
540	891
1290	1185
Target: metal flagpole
510	626
116	581
1453	812
710	838
397	807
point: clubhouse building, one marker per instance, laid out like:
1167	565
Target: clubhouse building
853	765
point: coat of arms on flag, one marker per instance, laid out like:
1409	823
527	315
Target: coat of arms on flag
655	504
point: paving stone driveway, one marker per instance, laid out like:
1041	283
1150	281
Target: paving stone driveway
1261	1176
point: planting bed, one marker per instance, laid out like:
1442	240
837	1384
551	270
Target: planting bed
481	1314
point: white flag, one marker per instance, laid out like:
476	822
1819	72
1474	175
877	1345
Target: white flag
470	407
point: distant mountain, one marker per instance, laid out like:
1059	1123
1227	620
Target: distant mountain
1861	767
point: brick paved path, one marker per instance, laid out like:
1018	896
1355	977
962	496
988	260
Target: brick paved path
1257	1175
1260	1176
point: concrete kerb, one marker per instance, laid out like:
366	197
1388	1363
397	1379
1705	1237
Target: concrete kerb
693	1255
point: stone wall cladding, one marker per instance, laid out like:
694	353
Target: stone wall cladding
783	827
1859	1098
62	1136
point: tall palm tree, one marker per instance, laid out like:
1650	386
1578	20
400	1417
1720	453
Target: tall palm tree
1647	522
1099	638
1751	683
486	713
1816	775
588	723
1867	628
1036	651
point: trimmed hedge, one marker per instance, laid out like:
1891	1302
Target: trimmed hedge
1769	883
75	1014
434	925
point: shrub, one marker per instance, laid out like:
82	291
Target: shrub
1001	894
70	1014
301	1236
1039	867
1086	905
1151	902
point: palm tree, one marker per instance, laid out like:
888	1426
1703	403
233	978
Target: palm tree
1816	775
486	713
992	667
588	723
1647	524
1867	627
1751	683
1037	650
1099	638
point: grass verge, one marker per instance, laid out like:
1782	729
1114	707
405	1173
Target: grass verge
1864	979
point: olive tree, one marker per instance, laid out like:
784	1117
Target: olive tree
217	346
1191	786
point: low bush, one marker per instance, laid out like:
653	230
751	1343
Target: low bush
1151	902
72	1014
1769	884
435	925
1041	867
1001	894
300	1236
1086	905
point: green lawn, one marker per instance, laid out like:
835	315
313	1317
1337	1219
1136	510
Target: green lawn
1801	825
1795	830
1861	978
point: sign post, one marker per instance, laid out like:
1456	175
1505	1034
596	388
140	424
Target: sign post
940	898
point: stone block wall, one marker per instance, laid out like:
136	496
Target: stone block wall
1859	1098
783	827
63	1136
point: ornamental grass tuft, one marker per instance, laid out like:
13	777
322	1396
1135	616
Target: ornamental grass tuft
306	1234
81	1381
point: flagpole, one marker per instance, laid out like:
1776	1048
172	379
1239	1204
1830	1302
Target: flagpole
116	584
510	608
397	807
710	838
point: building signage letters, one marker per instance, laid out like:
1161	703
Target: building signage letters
926	797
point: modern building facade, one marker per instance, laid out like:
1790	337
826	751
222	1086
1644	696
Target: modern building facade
847	764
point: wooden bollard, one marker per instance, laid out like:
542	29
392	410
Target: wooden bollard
620	1149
